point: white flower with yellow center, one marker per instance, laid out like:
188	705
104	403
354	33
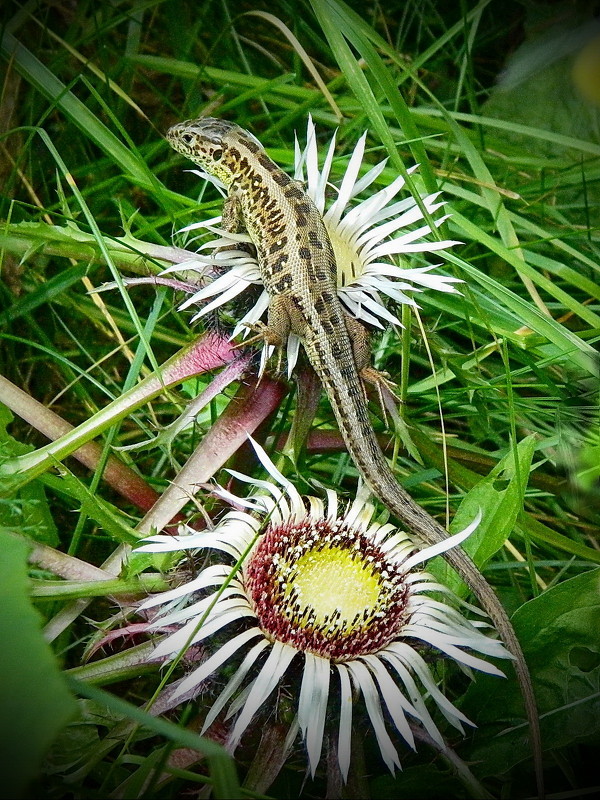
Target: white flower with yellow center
371	239
336	590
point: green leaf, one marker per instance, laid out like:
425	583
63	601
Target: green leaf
343	28
222	768
499	498
560	635
105	515
48	291
423	782
28	510
147	773
571	348
74	109
35	703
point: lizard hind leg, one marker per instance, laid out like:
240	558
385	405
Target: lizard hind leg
361	347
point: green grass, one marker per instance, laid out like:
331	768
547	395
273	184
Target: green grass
92	194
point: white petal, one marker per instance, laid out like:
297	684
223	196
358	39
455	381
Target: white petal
196	225
441	642
357	311
233	499
312	705
255	313
355	509
291	736
224	283
334	214
449	711
316	508
403	244
220	300
393	210
234	683
368	178
293	349
452	541
270	466
375	269
161	543
272	671
369	299
332	504
395	702
230	237
456	629
196	610
208	178
382	534
211	576
214	662
224	250
232	536
394	292
279	495
235	706
415	662
311	157
364	682
198	265
299	158
415	696
322	185
362	214
379	232
345	727
186	638
397	546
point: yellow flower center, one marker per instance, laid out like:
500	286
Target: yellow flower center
335	580
349	265
326	587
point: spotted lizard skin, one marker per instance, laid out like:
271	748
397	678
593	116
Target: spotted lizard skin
298	269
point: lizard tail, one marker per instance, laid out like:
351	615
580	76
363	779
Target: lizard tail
369	458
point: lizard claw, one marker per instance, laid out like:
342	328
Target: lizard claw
269	338
384	388
263	333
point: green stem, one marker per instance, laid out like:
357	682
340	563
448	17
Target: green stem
128	253
184	364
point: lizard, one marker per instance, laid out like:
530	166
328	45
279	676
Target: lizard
298	269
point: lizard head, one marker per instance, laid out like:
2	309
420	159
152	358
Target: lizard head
207	142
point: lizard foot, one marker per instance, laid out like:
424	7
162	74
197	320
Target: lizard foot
385	387
264	334
269	338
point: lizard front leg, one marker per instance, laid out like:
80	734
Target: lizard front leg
277	329
232	219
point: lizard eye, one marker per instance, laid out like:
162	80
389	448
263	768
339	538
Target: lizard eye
187	138
217	155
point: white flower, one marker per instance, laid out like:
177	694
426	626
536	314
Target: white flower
365	235
335	589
